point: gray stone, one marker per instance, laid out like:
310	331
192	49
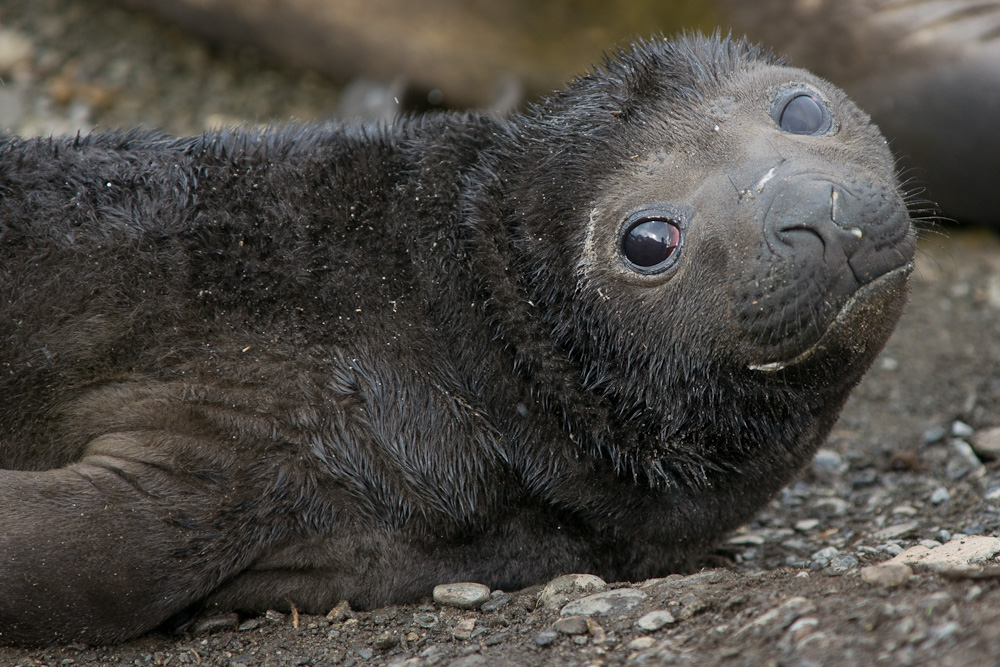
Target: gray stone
935	434
546	638
747	540
823	556
461	595
833	506
940	495
569	587
965	462
806	525
616	601
960	429
842	563
495	603
827	465
655	620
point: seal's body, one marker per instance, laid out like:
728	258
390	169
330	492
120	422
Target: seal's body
323	363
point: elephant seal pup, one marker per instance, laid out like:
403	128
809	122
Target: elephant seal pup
353	362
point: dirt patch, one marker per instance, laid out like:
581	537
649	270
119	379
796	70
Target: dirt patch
909	463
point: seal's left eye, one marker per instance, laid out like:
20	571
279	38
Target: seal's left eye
650	243
803	113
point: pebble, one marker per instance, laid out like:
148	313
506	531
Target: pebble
886	575
461	595
827	465
495	603
833	506
965	462
340	611
842	563
959	429
892	548
386	640
940	495
640	643
571	625
547	637
747	540
463	629
806	525
615	601
655	620
986	444
889	364
568	587
896	531
596	631
936	434
823	556
691	605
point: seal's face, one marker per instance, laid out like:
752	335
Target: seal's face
776	204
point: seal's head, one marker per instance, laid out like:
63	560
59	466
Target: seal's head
721	233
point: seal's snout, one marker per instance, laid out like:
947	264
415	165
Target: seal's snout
849	229
824	236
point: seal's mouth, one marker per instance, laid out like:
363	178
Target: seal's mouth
849	328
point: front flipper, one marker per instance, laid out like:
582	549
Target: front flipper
111	546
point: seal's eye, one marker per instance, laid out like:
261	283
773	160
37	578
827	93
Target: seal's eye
648	244
802	112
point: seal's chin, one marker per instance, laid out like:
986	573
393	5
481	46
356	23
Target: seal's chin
851	328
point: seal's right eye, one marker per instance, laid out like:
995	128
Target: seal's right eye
802	112
649	244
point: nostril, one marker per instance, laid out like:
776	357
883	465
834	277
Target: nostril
798	234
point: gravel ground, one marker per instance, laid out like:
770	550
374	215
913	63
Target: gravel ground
911	465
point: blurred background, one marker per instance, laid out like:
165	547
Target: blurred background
928	71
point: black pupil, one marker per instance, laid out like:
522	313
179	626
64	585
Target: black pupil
652	242
802	115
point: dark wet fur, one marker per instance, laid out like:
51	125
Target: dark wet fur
352	362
